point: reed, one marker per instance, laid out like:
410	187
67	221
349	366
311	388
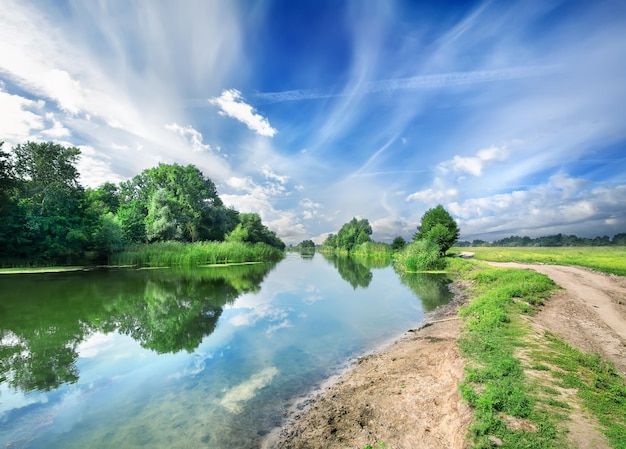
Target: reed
177	254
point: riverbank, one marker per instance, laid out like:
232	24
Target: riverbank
405	395
537	373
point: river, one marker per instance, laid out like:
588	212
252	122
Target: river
171	358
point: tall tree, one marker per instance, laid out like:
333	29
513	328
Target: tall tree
439	227
52	202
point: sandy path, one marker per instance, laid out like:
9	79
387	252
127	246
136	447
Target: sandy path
405	396
589	313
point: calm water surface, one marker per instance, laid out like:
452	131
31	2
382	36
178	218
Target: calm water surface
187	359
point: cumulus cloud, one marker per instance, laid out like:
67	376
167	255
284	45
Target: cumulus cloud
232	104
563	204
474	164
310	207
19	117
248	195
192	136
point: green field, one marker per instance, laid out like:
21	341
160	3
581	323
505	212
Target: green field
608	259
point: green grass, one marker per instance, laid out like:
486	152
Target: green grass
174	254
599	385
497	385
607	259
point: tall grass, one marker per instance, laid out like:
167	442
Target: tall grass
177	254
421	255
606	259
375	250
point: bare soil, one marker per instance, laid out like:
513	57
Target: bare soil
406	395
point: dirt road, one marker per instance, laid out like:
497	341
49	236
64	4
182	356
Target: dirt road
407	395
589	313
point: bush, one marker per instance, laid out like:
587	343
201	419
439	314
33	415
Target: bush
422	255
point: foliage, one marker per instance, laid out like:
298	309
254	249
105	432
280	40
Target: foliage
49	219
438	226
421	255
398	243
606	259
351	234
258	232
310	244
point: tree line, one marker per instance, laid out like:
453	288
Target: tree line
49	218
550	240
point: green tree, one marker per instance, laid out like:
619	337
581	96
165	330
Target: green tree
398	243
51	203
439	227
307	244
172	202
353	233
258	232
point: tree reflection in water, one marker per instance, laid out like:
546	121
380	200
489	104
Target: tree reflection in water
44	317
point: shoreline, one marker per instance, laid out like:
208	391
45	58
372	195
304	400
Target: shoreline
403	393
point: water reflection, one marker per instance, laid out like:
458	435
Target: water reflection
353	270
150	374
432	289
44	318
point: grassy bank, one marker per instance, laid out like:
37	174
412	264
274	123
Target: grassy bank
515	379
175	254
607	259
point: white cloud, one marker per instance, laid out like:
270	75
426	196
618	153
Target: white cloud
192	136
544	209
57	131
269	174
250	196
387	228
433	195
19	117
474	164
232	104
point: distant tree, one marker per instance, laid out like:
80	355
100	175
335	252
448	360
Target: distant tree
398	243
307	244
353	233
619	239
438	226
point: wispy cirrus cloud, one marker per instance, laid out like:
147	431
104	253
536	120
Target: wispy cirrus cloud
434	81
232	104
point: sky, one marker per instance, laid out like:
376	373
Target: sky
511	114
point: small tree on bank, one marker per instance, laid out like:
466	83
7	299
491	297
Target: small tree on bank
439	227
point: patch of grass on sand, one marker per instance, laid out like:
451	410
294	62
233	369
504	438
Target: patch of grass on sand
513	408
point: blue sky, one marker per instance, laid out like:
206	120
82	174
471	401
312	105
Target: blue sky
510	114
